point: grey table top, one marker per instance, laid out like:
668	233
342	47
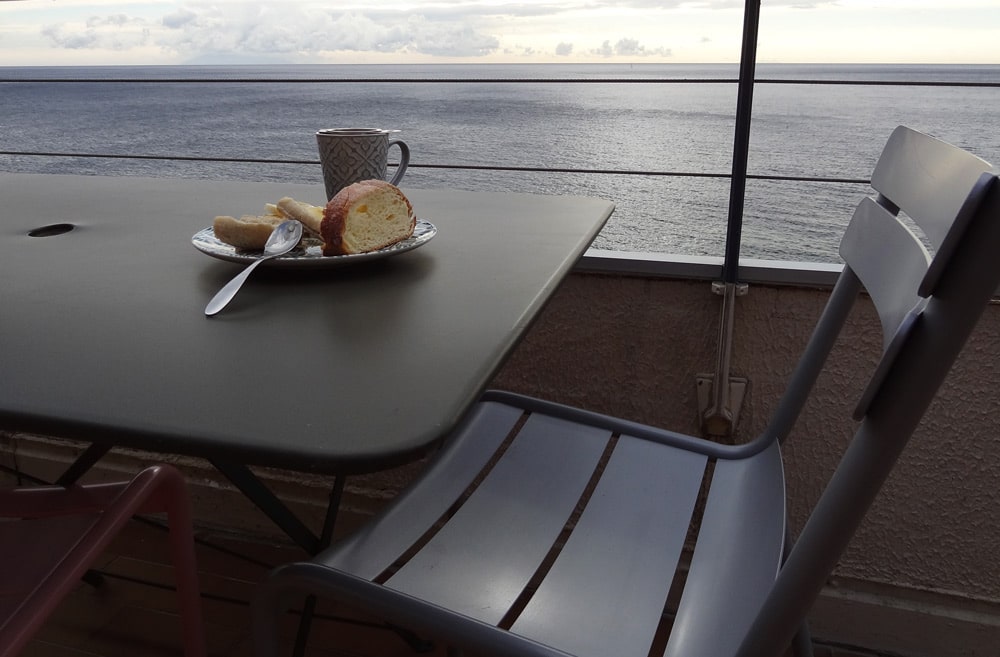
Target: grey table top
346	370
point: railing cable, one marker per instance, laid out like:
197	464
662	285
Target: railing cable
460	80
457	167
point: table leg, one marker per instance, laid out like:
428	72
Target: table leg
330	521
273	508
77	469
84	462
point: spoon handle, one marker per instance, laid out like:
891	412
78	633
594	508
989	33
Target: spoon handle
229	290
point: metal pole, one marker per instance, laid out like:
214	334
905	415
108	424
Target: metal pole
741	145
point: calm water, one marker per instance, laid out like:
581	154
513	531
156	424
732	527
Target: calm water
811	130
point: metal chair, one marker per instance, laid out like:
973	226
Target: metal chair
546	530
50	536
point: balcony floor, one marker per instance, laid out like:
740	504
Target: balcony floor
131	613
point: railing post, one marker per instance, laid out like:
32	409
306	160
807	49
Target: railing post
719	395
741	141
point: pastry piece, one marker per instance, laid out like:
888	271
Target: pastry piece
310	216
366	216
247	232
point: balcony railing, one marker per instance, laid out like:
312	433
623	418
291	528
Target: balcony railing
644	172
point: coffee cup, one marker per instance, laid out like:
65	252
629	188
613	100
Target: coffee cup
350	155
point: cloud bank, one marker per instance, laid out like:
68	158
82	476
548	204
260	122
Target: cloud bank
102	32
389	31
303	30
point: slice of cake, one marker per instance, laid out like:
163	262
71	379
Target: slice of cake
366	216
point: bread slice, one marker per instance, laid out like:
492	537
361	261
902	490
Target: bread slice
247	232
366	216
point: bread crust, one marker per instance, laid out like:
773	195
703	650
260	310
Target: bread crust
335	215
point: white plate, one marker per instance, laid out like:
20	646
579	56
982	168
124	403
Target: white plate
310	252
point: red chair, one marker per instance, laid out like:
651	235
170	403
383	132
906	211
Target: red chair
49	537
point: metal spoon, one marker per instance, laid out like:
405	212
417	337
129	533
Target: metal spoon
282	240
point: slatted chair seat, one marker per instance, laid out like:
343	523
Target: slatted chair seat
546	530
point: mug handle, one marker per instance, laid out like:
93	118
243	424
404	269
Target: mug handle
404	160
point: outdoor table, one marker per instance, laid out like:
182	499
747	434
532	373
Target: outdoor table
343	370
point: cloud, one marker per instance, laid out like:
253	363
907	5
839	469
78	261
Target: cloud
179	19
69	40
629	48
246	29
448	39
309	30
115	20
117	32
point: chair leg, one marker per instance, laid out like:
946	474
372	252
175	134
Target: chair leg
329	523
182	553
305	624
802	641
802	645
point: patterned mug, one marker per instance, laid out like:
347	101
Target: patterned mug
349	155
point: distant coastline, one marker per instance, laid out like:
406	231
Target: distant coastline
980	73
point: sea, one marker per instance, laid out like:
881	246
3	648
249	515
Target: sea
656	139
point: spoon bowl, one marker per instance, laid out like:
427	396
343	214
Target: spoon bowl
283	239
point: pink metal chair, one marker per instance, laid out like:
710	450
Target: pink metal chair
50	536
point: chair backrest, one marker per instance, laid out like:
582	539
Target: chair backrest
929	278
940	188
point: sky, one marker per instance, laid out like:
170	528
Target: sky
107	32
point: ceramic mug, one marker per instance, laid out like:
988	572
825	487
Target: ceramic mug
349	155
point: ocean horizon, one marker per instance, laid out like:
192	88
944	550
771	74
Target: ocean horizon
656	139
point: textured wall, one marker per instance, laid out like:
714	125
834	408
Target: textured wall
632	346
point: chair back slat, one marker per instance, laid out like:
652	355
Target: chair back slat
926	178
888	258
951	241
940	188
